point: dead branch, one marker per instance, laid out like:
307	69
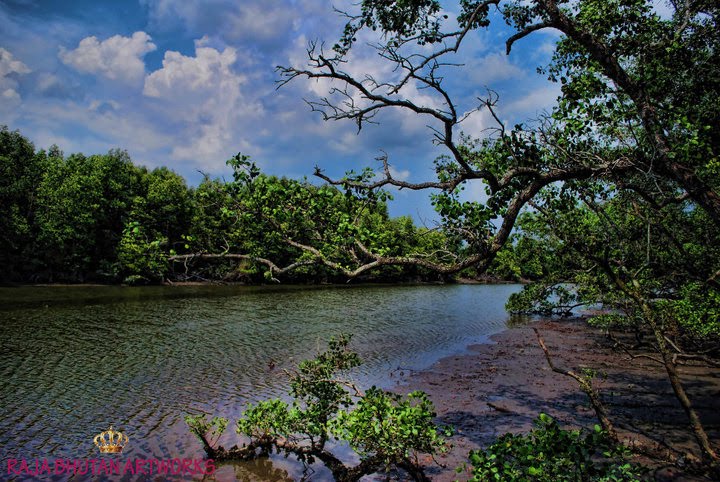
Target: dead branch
586	386
627	351
274	269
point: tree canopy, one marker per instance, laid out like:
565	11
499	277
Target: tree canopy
616	188
101	218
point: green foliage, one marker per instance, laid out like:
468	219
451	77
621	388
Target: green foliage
380	426
164	206
619	252
82	203
316	384
269	419
696	311
400	18
320	227
20	172
208	431
551	454
543	299
391	426
82	218
140	259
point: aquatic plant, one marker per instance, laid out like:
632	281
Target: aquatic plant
388	431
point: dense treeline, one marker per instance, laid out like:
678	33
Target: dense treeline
101	218
74	218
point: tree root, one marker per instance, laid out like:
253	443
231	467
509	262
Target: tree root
340	471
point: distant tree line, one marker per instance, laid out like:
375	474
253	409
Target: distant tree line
101	218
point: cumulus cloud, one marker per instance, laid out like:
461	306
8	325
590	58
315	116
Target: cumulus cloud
116	58
476	122
203	93
536	102
10	68
252	21
492	68
182	75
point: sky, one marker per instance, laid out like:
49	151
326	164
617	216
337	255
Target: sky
188	84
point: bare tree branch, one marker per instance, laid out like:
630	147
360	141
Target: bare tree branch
524	33
585	386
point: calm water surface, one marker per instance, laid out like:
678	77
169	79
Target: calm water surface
75	360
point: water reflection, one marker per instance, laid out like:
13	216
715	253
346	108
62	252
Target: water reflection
75	360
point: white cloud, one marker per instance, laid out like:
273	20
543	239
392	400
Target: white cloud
9	65
9	69
399	174
492	68
663	8
253	22
203	94
536	102
476	122
77	127
347	142
117	58
181	75
546	48
47	82
475	191
364	64
261	21
11	96
100	106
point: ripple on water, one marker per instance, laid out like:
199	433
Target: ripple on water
76	360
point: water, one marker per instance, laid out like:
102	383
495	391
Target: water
75	360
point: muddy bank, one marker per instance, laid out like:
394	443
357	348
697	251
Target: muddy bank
501	387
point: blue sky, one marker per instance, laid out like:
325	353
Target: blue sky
188	84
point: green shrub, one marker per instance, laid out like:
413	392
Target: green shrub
551	454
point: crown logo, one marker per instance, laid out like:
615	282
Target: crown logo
111	441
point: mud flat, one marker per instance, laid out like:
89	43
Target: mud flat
502	386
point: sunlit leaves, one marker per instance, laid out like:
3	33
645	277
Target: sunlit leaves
378	425
393	426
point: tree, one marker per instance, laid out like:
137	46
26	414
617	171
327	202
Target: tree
20	171
166	205
141	257
633	137
82	208
386	430
653	266
286	227
102	218
157	219
611	119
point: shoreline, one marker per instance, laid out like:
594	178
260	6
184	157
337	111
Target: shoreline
488	280
502	386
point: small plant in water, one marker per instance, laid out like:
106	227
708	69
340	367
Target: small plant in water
388	431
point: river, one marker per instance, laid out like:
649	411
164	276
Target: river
76	359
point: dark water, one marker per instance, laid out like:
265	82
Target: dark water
75	360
